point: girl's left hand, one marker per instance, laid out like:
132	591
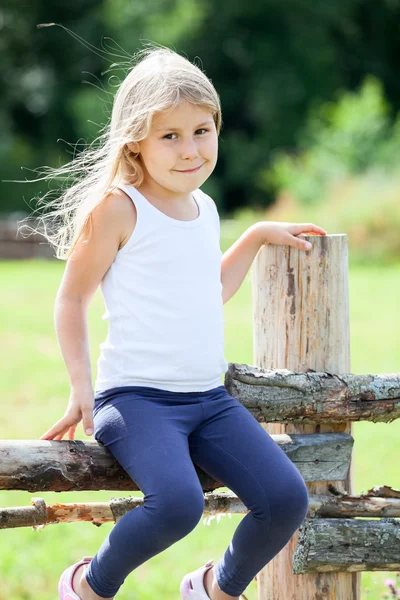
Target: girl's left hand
275	232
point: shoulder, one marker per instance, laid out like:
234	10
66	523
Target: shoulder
119	202
119	208
211	204
208	199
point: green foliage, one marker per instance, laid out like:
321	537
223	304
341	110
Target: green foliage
365	207
342	138
269	60
165	21
345	175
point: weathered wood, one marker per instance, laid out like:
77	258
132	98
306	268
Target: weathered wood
382	501
327	545
39	514
384	491
301	322
215	505
75	465
280	395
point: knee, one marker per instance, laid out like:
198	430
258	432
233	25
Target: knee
300	502
182	510
291	508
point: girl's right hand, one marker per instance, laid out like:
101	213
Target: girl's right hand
80	405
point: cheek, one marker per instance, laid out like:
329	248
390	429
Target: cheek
212	146
212	153
160	156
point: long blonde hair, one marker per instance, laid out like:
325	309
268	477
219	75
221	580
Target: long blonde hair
160	80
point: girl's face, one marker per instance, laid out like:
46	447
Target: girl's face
182	139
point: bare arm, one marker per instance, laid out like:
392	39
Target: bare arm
70	320
237	260
85	269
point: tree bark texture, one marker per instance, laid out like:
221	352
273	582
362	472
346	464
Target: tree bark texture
301	323
280	395
335	504
351	545
75	465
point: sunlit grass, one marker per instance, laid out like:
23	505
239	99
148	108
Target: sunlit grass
34	385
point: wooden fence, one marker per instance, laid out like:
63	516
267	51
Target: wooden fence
18	243
302	392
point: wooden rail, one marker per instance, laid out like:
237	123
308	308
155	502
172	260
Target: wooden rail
75	465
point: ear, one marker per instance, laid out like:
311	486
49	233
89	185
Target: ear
133	147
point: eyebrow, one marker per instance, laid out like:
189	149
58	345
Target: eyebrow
209	122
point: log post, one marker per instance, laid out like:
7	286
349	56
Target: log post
301	322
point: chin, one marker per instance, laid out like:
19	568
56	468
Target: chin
186	187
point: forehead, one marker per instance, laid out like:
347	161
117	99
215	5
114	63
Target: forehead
181	115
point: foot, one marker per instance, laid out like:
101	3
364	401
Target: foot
212	589
81	586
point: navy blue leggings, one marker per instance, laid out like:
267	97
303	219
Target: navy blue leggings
157	436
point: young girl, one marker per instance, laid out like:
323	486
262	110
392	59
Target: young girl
138	224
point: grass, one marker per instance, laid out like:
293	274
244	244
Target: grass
35	391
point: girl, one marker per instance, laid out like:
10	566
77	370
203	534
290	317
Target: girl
137	224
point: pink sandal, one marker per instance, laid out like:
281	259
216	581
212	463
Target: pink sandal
192	585
65	589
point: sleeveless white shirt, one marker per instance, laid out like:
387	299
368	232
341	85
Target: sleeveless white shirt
163	299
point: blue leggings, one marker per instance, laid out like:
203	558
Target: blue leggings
156	436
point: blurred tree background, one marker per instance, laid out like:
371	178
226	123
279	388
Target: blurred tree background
309	94
311	132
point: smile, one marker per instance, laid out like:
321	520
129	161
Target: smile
191	170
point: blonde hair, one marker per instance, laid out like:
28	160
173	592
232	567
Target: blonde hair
160	80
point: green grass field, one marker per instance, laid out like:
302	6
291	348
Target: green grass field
35	390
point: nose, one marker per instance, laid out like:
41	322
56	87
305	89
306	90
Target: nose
189	149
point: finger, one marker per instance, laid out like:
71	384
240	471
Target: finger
49	435
87	420
61	427
316	229
71	432
300	244
312	233
307	229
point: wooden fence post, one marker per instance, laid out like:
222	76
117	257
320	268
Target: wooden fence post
301	322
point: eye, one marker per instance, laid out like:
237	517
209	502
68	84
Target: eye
168	134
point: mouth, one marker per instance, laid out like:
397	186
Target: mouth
190	170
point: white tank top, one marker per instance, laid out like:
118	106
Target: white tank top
163	299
